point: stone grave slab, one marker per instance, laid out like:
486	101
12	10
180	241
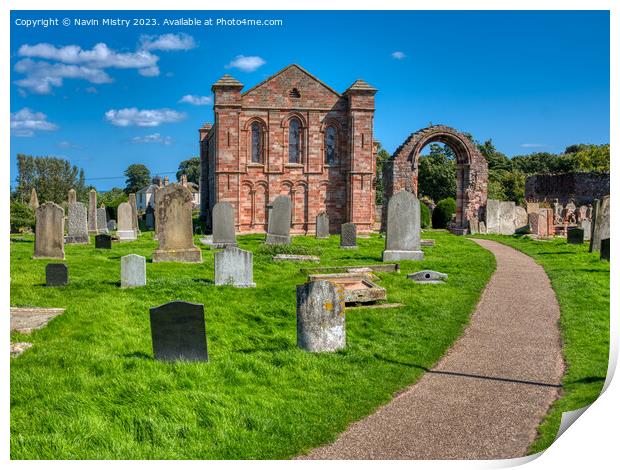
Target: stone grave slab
125	231
49	239
234	266
223	217
77	223
297	258
348	236
56	274
357	288
574	236
402	237
26	319
279	223
18	348
133	271
322	225
178	332
103	242
102	220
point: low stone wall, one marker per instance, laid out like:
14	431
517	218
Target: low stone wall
580	188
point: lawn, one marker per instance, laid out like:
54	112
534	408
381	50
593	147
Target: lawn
581	283
90	389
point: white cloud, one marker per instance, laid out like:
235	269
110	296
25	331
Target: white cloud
398	55
91	89
156	138
149	71
246	63
533	146
25	122
142	117
196	100
167	42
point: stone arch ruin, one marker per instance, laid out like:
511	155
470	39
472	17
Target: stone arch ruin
400	172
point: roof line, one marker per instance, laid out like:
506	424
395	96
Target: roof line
286	68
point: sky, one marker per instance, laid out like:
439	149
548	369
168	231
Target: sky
106	96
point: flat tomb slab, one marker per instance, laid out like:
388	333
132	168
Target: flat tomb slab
386	268
358	288
18	348
26	319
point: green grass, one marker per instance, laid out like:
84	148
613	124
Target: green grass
90	389
581	284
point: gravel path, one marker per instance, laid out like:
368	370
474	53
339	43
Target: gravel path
485	398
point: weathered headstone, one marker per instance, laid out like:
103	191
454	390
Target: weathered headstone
428	277
103	241
600	222
92	212
521	220
156	228
474	226
574	236
49	231
586	225
605	253
348	236
71	196
102	220
500	217
234	266
125	231
111	225
483	227
532	207
34	199
178	332
223	225
134	211
402	237
174	226
56	274
550	217
133	271
321	316
279	223
77	223
149	218
322	225
581	213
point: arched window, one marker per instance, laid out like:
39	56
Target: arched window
294	141
330	146
257	143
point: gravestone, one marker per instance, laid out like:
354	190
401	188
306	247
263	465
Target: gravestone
156	228
586	225
605	253
77	223
348	236
600	222
134	211
111	225
474	226
533	220
521	219
279	223
133	271
234	266
483	227
582	212
49	231
574	236
321	316
322	225
500	217
223	225
428	277
178	332
149	218
56	274
71	196
103	241
402	236
174	226
532	207
102	220
92	212
125	231
34	199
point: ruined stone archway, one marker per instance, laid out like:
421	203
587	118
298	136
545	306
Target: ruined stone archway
401	172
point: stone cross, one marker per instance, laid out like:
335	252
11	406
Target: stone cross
49	231
133	271
34	199
134	211
56	274
125	230
92	212
402	238
174	226
322	225
320	316
223	225
102	220
71	196
178	332
234	266
279	223
348	236
77	223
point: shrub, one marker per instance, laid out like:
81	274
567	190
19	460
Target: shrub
442	214
22	217
425	216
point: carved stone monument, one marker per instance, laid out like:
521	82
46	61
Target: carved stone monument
348	236
77	223
56	274
178	332
92	212
279	223
102	220
402	238
223	217
234	266
322	225
125	231
49	231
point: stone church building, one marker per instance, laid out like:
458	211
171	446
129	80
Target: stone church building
291	134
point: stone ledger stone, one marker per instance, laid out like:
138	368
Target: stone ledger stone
279	223
174	226
102	220
125	231
178	332
103	241
92	212
348	236
133	271
402	239
223	225
56	274
49	231
321	317
77	223
234	266
574	236
605	253
600	222
322	225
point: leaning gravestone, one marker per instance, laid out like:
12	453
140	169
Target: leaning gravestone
320	316
279	223
174	226
133	271
605	253
102	221
56	274
574	236
322	225
103	241
77	223
234	266
125	231
178	332
223	225
92	212
49	231
600	222
402	238
348	236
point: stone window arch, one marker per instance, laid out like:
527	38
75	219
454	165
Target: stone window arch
295	140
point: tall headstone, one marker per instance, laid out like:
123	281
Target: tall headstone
71	196
178	332
520	219
586	226
156	229
102	220
322	225
234	266
321	316
605	253
279	223
574	236
174	226
134	210
402	238
56	274
348	236
133	271
149	217
34	199
92	212
77	223
223	225
600	222
500	217
49	231
125	231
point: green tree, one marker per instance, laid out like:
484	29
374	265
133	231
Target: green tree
437	173
190	168
138	176
111	199
382	157
442	214
22	216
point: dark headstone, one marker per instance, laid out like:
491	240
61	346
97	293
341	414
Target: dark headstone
605	249
56	274
600	223
279	223
224	225
103	241
149	218
178	332
574	235
348	236
322	225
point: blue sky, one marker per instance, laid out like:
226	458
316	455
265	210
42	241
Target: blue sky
531	81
